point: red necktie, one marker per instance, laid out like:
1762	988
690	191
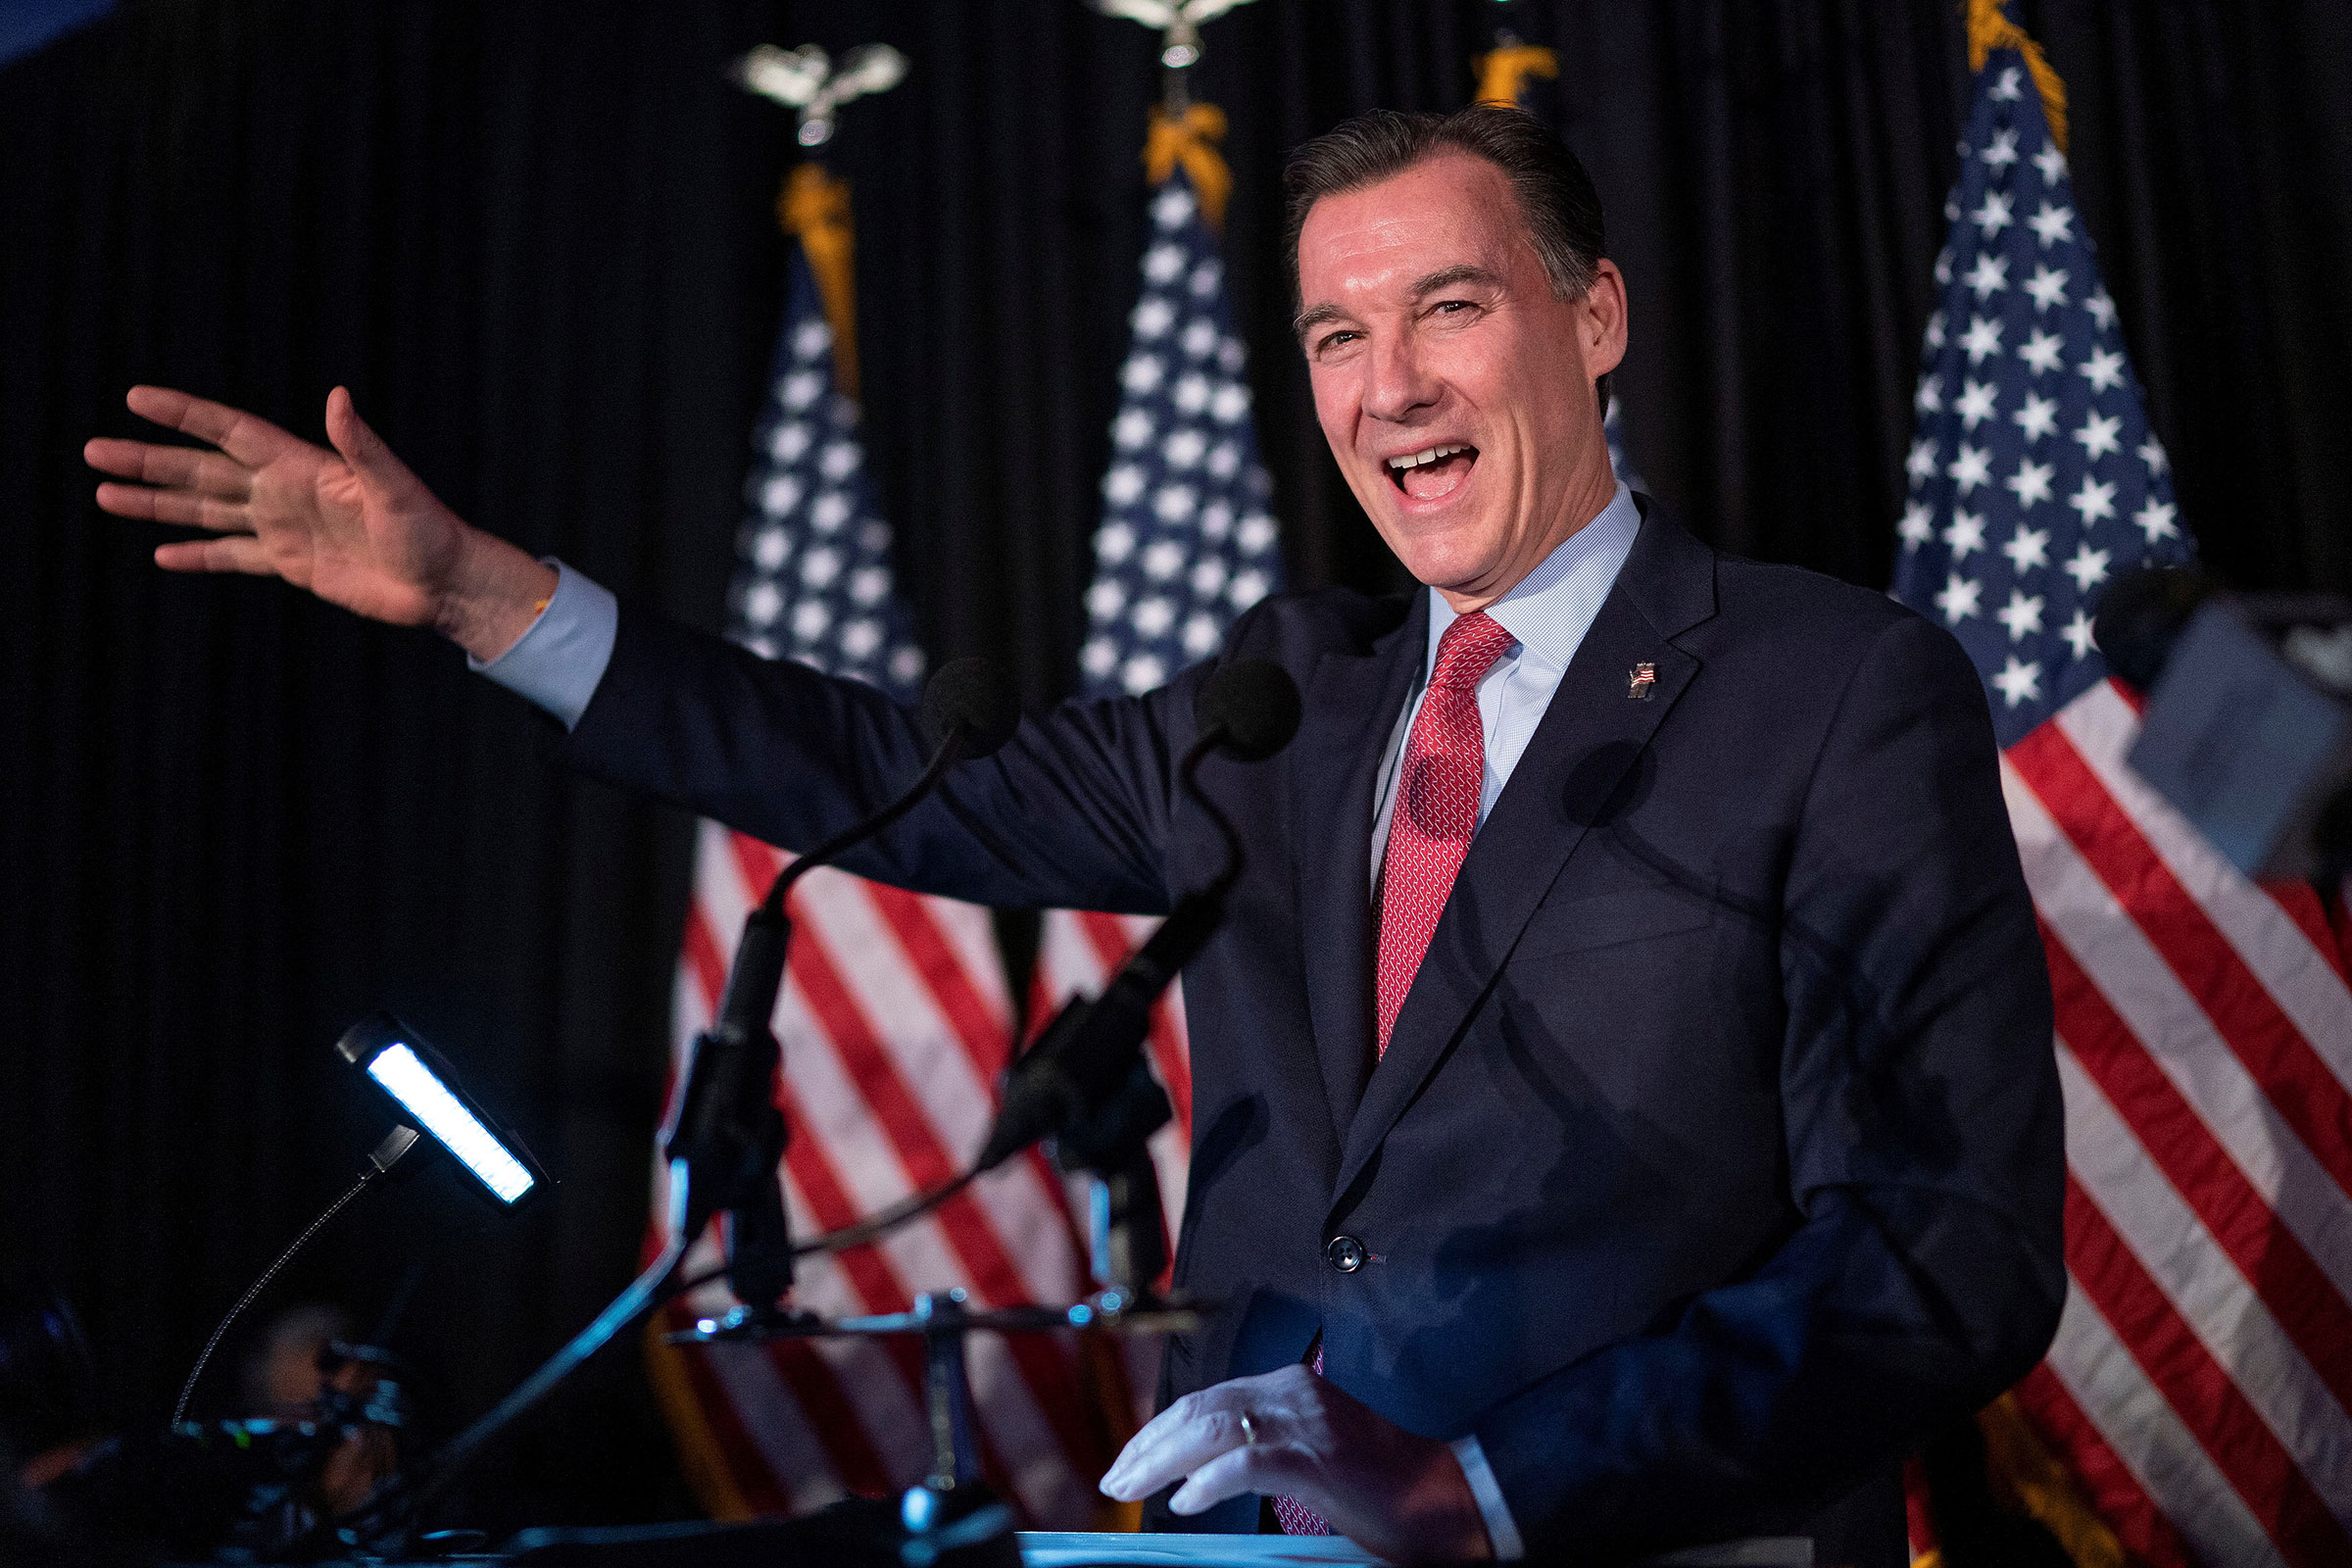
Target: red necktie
1436	809
1430	825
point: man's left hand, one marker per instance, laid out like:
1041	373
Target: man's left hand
1293	1434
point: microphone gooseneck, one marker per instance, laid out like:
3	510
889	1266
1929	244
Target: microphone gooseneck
1088	1053
970	712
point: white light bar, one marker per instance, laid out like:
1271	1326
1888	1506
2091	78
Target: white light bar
407	1079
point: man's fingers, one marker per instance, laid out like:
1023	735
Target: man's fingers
206	472
1174	1443
233	554
365	452
250	440
176	507
1228	1475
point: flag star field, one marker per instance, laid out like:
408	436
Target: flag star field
1186	542
2034	478
812	579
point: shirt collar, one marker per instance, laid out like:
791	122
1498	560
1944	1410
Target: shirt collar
1550	608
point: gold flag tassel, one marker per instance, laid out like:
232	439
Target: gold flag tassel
1989	28
1190	138
1504	70
815	208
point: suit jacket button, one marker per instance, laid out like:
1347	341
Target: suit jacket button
1346	1254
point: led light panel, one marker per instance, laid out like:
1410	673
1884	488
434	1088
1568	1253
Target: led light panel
407	1079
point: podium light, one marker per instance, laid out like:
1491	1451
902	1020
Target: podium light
419	1081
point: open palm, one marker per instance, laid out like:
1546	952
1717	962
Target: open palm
352	525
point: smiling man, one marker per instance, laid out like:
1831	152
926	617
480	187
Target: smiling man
1623	1099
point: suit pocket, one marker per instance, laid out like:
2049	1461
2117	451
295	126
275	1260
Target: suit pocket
1607	919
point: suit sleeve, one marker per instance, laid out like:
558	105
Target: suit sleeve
1073	812
1924	1149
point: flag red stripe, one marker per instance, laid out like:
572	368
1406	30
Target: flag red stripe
2115	1493
2307	1305
2196	1385
1046	1366
977	1026
2247	1017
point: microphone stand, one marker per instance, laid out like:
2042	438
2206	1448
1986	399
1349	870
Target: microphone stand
724	1142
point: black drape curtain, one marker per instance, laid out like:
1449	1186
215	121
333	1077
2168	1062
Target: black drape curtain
536	240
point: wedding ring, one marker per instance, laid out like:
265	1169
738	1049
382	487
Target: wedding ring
1248	1431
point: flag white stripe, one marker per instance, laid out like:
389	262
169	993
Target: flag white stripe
2205	1287
2150	1440
2179	1036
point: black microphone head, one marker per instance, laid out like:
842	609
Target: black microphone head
2141	614
972	693
1255	702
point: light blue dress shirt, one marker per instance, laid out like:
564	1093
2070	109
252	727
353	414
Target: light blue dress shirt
561	656
558	661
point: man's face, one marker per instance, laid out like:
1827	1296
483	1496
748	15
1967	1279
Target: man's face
1430	327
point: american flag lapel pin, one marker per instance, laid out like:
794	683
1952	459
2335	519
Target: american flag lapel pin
1640	681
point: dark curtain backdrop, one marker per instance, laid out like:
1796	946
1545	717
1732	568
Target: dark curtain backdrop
536	240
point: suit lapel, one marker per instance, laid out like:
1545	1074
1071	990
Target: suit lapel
1589	735
1351	705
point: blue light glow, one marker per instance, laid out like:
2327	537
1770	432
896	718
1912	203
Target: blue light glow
406	1078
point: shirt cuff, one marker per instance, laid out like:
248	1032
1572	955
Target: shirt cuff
559	660
1503	1530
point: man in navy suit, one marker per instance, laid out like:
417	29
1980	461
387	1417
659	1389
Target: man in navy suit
1624	1106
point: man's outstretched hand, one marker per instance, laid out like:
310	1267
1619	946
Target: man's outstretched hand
1384	1488
352	525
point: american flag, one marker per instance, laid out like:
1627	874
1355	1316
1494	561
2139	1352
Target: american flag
895	1022
1184	545
2199	1385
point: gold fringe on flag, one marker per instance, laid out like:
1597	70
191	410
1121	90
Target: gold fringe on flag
700	1454
1989	28
2015	1456
815	208
1502	73
1190	138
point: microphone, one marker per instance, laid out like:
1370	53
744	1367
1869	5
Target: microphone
2141	616
1091	1050
727	1134
1252	705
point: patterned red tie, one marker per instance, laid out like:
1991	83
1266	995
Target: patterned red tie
1430	825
